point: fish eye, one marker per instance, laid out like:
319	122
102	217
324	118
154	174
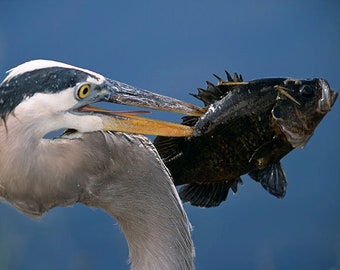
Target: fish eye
83	91
306	91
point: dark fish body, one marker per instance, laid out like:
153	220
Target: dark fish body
248	128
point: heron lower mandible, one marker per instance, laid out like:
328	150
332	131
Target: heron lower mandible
120	173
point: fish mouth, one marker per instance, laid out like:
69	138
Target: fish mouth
328	97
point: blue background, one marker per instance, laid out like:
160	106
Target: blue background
172	47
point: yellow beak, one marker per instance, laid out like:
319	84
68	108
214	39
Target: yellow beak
131	123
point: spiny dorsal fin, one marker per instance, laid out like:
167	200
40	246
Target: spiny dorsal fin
208	194
205	96
220	80
216	92
229	78
237	77
272	178
214	89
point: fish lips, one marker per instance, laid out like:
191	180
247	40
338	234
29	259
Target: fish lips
328	97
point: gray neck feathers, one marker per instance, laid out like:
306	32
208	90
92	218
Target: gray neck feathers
119	173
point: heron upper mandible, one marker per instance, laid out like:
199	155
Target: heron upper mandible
118	172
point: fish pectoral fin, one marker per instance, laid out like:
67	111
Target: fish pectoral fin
210	194
169	148
272	178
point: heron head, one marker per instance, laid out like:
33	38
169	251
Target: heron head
39	90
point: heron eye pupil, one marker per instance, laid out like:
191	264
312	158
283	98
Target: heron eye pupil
84	91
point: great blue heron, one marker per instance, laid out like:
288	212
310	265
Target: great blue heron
120	173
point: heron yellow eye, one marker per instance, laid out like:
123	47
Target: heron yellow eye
84	91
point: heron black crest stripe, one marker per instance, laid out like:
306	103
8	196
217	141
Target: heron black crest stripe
47	80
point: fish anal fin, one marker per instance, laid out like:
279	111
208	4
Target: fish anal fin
272	178
208	194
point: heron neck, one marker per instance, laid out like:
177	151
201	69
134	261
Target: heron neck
158	238
122	174
147	207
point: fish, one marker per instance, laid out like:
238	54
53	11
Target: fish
248	127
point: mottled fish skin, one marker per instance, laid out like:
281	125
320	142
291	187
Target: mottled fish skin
248	128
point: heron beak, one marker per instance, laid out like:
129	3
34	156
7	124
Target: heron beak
141	125
124	94
131	123
128	95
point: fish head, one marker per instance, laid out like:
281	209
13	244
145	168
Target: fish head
300	106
